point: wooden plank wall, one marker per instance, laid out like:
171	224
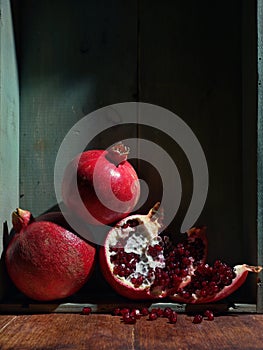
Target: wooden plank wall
260	150
9	125
185	56
74	58
195	62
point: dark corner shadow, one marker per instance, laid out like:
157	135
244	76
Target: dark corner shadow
5	281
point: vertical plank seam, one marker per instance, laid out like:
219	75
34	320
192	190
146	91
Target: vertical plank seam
260	149
133	338
138	80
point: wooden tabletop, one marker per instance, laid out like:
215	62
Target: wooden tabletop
99	331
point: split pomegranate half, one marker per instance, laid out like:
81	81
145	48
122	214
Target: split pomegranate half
140	263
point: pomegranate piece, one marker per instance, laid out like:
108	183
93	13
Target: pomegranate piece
139	263
129	319
209	315
158	311
144	311
198	319
152	316
106	183
136	313
125	311
167	312
45	260
172	317
116	312
212	283
86	310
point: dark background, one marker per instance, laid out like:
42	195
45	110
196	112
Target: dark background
195	58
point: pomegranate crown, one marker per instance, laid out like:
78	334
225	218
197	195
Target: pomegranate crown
20	219
118	153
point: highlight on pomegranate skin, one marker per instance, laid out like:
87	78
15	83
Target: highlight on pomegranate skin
139	263
44	259
107	189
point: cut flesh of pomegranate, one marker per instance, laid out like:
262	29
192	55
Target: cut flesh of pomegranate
140	264
213	283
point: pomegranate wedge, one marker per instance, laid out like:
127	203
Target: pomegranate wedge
213	283
139	263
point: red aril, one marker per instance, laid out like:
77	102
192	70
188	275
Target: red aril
139	263
198	319
107	185
152	316
45	260
212	283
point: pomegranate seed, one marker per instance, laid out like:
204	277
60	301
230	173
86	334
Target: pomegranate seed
197	319
173	317
158	312
125	311
86	310
117	312
152	316
136	313
167	312
132	223
144	311
127	318
209	314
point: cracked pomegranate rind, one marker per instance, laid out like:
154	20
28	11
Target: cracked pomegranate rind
213	283
139	263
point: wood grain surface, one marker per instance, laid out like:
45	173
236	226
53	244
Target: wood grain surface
75	331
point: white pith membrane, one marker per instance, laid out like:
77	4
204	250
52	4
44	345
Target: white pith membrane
137	240
136	235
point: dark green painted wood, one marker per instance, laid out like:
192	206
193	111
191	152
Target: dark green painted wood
9	124
249	127
260	149
191	63
109	305
74	59
190	57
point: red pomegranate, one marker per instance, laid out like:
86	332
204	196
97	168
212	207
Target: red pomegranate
107	185
140	263
44	259
213	283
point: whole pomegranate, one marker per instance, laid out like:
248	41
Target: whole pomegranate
140	263
44	259
107	184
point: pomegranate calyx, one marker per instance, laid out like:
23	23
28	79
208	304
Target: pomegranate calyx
118	153
21	219
245	267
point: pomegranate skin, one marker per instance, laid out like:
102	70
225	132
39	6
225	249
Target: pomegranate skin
116	185
133	260
241	272
122	288
46	261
